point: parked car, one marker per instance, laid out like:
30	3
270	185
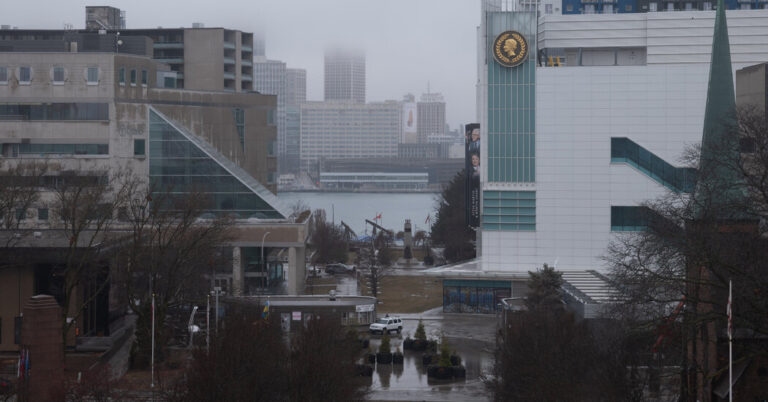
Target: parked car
388	324
339	268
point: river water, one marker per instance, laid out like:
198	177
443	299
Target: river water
354	208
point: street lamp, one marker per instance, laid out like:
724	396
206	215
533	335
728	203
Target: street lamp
263	263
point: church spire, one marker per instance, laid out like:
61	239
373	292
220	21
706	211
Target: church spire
718	183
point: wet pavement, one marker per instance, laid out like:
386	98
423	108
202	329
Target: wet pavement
470	336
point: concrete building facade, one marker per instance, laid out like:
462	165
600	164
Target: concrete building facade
344	130
95	113
431	116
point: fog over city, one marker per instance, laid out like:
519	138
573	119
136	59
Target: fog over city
407	43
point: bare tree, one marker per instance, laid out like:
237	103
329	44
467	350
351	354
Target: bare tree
19	191
693	245
168	252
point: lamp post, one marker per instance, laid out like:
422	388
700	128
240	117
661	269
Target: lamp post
263	263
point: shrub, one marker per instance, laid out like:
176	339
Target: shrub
385	346
420	333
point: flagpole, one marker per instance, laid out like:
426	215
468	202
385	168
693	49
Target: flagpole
152	380
730	341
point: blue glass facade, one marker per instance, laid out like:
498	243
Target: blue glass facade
509	210
511	125
629	219
641	6
177	166
624	150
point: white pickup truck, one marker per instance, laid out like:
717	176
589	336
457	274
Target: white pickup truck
388	324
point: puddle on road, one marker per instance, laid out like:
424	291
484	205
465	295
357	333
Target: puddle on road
412	374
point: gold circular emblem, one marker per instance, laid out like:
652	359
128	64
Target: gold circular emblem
510	49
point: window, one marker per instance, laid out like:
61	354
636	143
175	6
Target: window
628	8
144	78
688	6
133	77
240	125
629	219
58	75
42	214
548	8
670	6
121	76
706	6
653	7
271	117
608	9
25	74
745	6
92	75
569	7
139	147
55	111
21	214
169	82
589	9
3	75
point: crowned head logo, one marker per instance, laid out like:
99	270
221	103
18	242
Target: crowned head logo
510	49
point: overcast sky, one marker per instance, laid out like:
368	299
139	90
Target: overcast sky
407	42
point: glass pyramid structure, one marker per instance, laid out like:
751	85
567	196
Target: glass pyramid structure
182	163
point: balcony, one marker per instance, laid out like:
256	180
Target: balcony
246	77
229	76
229	45
246	63
246	48
229	60
168	45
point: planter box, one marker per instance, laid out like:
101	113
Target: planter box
407	344
439	372
384	358
419	345
426	359
455	360
364	370
397	358
371	358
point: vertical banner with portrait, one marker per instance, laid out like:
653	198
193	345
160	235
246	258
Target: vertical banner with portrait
472	167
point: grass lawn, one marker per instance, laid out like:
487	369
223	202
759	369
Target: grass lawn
407	294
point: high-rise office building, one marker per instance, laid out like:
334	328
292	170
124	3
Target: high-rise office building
431	116
269	78
295	96
104	17
209	59
344	75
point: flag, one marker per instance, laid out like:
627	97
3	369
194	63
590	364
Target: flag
427	220
377	217
730	312
265	313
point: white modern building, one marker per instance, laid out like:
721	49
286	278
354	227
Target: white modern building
346	130
569	153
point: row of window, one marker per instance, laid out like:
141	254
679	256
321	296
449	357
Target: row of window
677	179
59	74
133	76
13	150
54	111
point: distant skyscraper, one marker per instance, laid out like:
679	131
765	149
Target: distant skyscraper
259	44
431	116
345	75
269	79
295	96
295	86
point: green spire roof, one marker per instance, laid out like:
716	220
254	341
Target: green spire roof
718	185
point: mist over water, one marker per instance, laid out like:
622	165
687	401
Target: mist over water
355	208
